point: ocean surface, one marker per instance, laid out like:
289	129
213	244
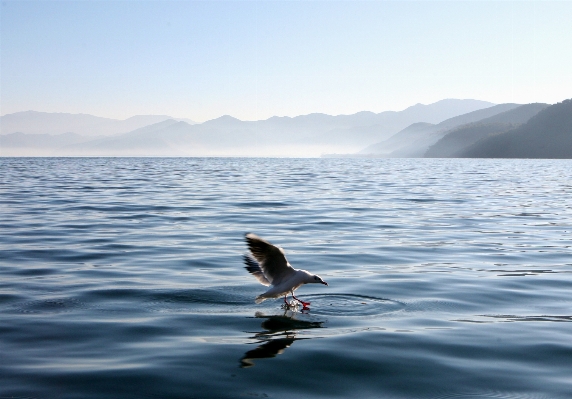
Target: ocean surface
123	278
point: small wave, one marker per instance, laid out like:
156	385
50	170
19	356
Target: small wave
19	397
434	306
510	318
49	306
35	272
7	298
491	394
262	204
521	272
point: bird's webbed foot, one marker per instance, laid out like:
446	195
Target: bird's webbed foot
304	304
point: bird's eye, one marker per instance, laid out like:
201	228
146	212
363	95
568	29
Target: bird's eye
315	278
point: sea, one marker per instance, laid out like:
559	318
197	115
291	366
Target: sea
124	278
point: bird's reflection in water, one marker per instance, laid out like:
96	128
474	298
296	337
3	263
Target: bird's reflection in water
279	333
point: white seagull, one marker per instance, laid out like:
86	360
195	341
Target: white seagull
269	265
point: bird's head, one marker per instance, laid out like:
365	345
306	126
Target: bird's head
317	279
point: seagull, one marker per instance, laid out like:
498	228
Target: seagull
268	264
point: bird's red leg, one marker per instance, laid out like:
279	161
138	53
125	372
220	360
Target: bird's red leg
285	301
304	304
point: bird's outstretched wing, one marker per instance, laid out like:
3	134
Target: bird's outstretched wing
254	268
271	259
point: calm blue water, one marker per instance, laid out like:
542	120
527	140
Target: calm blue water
123	278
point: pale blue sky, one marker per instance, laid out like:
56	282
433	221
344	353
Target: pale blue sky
252	59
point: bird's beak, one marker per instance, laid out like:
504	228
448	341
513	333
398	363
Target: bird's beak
323	282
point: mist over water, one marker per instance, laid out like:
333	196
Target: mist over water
123	277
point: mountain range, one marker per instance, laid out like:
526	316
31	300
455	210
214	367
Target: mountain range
445	129
35	133
34	122
415	139
502	131
456	140
548	134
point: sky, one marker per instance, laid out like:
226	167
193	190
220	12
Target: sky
257	59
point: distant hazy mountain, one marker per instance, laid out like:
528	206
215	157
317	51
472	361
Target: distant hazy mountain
305	135
33	122
148	140
548	134
458	139
342	130
415	139
18	144
518	115
411	134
